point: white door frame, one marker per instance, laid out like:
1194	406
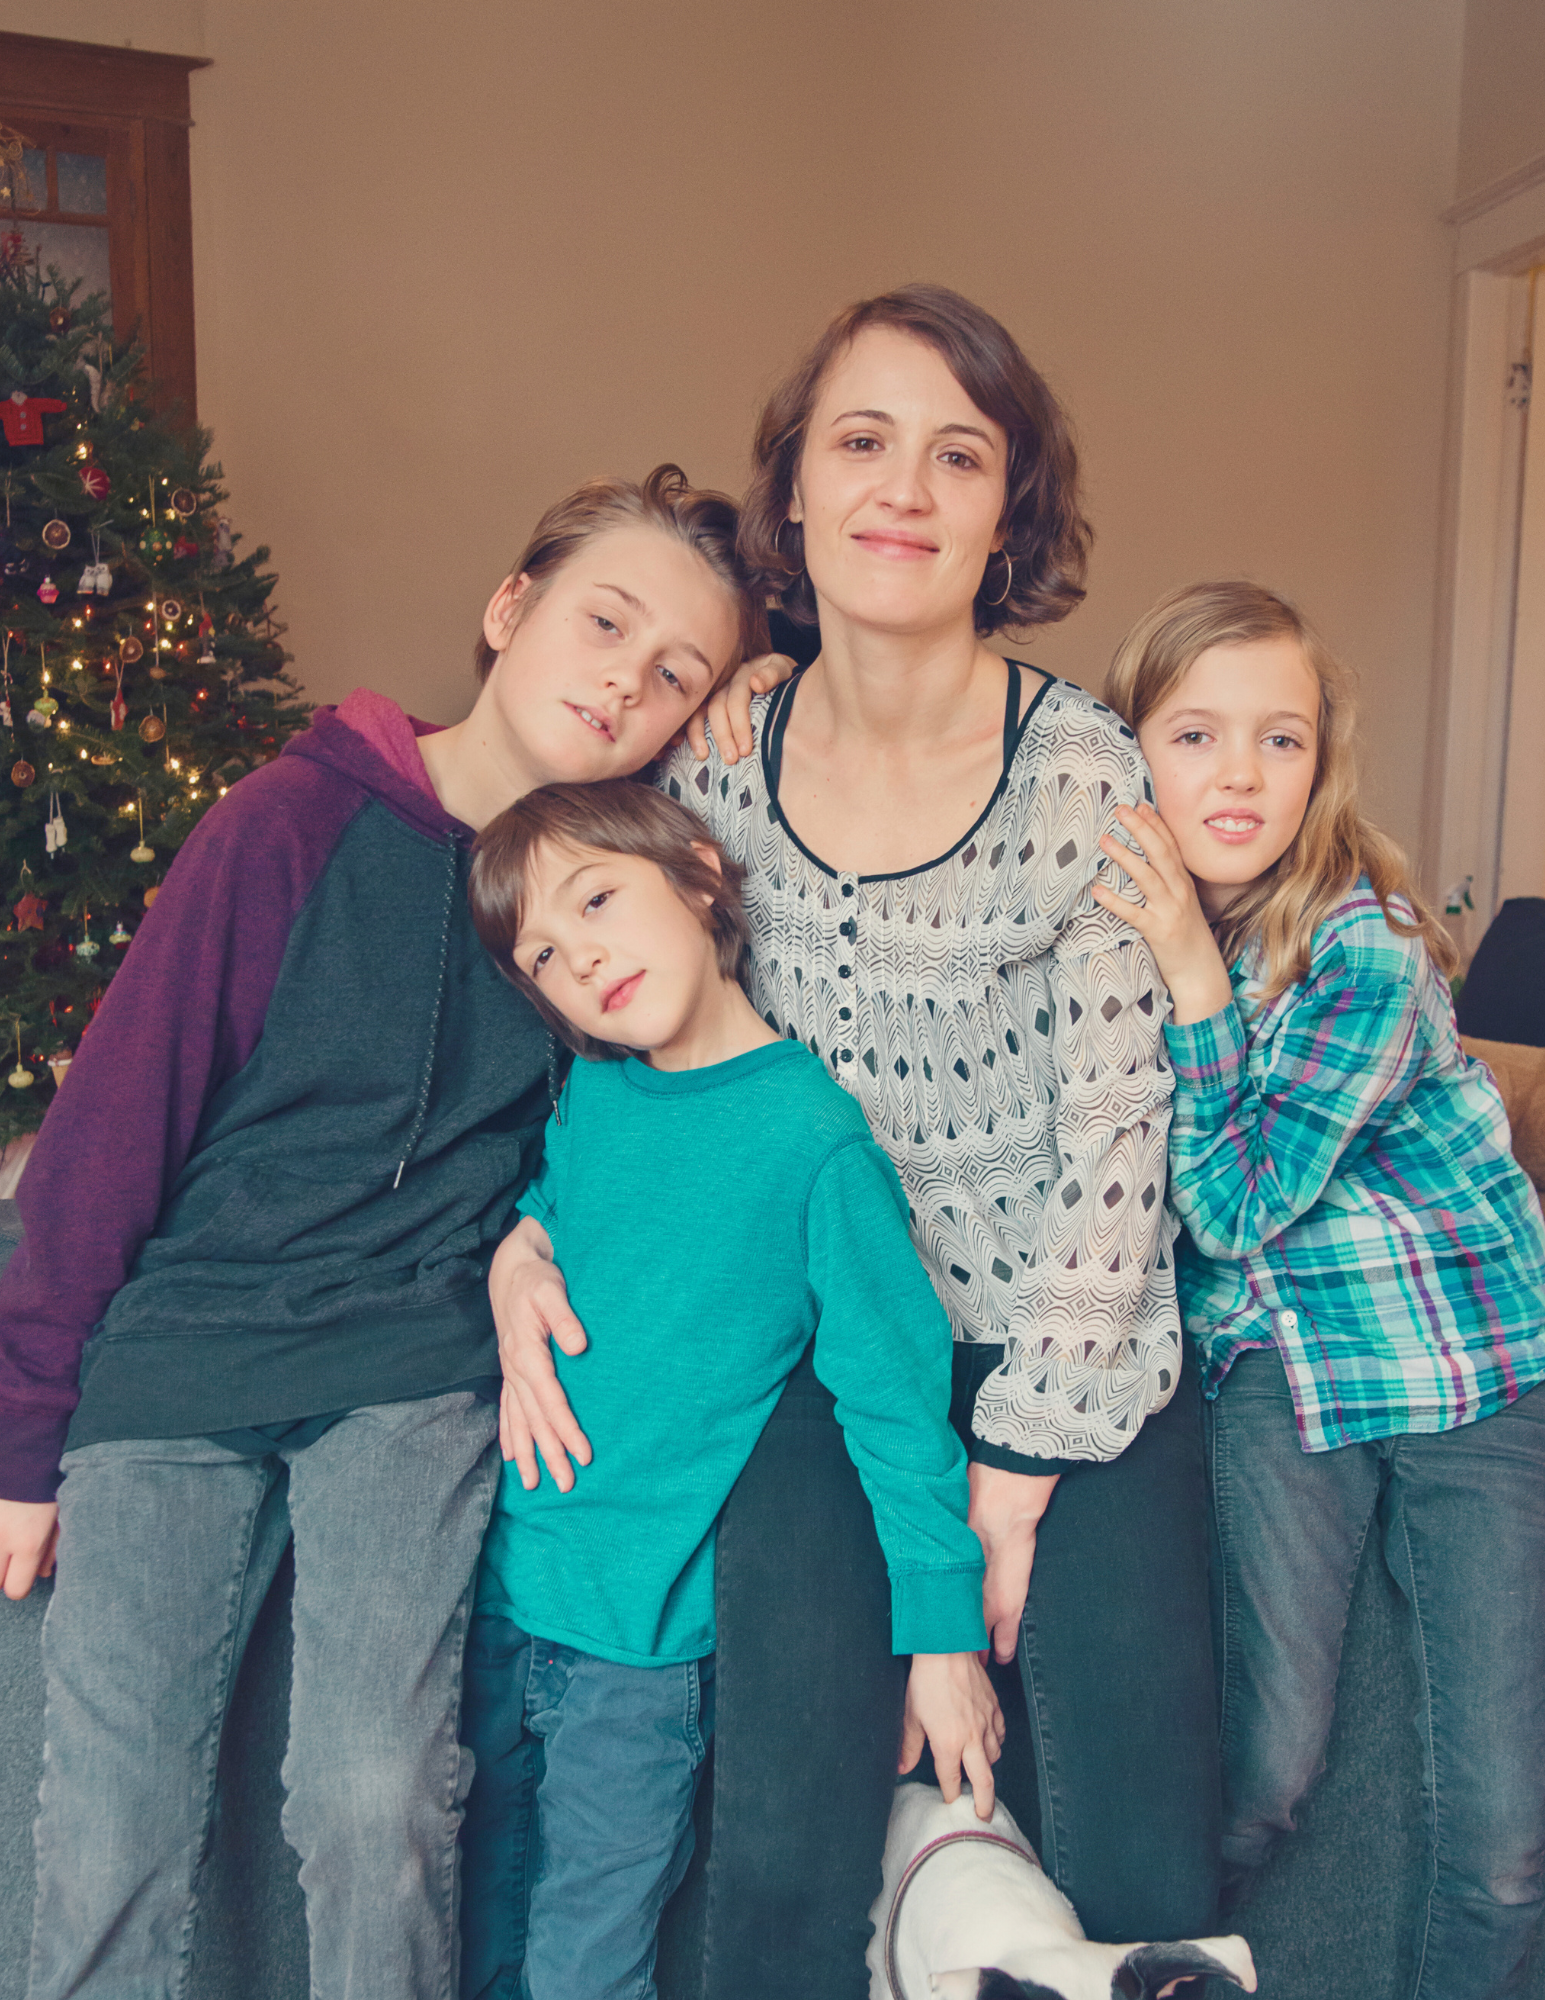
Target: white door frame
1499	232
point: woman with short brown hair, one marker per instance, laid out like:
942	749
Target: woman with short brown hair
920	825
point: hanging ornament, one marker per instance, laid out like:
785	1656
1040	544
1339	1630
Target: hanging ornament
183	549
29	911
171	609
20	1078
48	591
184	502
119	935
88	946
21	416
59	320
55	832
47	705
104	757
142	853
224	555
104	580
5	714
152	729
155	544
88	581
130	650
36	719
95	481
151	893
22	773
56	535
59	1065
156	672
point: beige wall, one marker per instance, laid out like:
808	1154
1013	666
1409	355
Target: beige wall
451	259
1502	106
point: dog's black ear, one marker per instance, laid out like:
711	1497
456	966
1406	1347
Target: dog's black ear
998	1985
1145	1972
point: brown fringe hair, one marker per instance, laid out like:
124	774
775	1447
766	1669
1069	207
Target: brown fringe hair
1335	844
1045	534
615	816
706	522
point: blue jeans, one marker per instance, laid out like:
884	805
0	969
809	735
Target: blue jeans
167	1548
1461	1514
579	1822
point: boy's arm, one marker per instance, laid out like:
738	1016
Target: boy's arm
530	1299
883	1347
182	1015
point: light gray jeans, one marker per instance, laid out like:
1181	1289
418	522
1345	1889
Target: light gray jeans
167	1549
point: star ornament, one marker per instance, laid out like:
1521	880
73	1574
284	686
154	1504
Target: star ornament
29	912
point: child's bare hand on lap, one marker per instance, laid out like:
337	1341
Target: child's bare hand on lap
950	1701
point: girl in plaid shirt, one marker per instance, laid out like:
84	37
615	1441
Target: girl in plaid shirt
1362	1265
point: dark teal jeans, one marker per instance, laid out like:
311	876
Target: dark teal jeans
1461	1517
1115	1771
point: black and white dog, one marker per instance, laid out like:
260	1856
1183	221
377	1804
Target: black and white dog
967	1913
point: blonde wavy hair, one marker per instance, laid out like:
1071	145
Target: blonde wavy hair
1335	844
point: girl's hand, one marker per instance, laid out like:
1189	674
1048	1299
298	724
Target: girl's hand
1172	919
950	1702
531	1307
728	709
1006	1510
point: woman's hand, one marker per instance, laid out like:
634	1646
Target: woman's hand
29	1543
950	1702
728	709
1172	919
1006	1510
531	1307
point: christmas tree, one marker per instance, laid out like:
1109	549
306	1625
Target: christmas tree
142	673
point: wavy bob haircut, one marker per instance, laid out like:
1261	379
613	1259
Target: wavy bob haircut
1335	844
615	816
708	523
1045	534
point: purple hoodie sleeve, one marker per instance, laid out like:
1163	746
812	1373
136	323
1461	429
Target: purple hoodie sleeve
182	1015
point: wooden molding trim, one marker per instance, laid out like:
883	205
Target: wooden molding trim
81	79
1519	181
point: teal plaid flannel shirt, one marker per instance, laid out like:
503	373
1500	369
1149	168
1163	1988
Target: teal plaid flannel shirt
1349	1195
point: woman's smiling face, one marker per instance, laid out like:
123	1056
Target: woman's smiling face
900	488
1232	751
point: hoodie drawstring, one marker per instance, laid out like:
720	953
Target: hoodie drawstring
427	1077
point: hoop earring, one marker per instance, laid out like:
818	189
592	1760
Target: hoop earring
1008	581
778	547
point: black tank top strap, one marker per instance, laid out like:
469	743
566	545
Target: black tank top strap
1011	715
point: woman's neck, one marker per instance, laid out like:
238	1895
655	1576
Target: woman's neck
898	690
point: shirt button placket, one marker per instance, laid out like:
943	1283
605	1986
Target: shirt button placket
847	932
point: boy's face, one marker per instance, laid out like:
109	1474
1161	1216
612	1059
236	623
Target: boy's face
600	670
614	949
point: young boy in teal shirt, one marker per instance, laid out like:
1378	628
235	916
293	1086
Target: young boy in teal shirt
714	1200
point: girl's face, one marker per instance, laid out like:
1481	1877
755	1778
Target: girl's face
598	671
1232	752
900	488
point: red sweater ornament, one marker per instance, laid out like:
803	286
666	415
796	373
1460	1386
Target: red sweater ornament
21	416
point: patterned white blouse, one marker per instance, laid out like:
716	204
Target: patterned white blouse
1003	1034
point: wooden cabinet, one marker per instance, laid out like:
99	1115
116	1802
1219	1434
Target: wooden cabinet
107	138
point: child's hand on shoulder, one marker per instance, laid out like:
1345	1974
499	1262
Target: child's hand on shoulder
728	710
950	1702
1170	916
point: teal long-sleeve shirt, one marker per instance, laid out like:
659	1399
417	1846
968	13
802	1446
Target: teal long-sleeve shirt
707	1223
